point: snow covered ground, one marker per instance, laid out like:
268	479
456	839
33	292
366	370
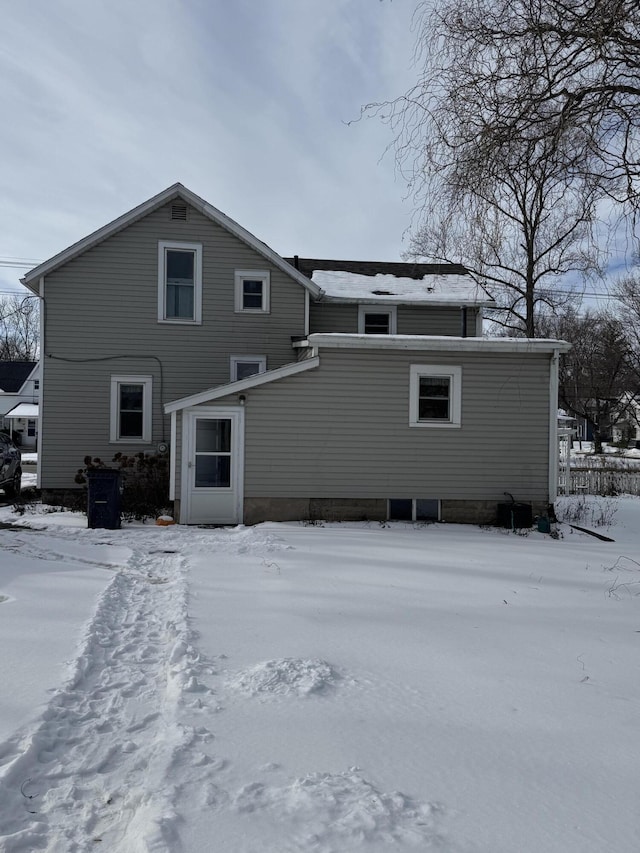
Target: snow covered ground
330	688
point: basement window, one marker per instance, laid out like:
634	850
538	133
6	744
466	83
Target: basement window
414	509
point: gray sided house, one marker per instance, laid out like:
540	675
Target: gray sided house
286	388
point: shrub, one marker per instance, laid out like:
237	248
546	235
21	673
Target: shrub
145	480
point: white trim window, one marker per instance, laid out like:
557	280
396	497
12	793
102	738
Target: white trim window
243	366
377	319
179	282
252	291
131	414
435	395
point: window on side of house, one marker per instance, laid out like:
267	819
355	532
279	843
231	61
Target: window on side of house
376	320
31	428
435	395
131	417
179	282
252	291
414	509
243	366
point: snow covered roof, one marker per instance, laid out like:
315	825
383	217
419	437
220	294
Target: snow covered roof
24	410
430	289
435	343
392	282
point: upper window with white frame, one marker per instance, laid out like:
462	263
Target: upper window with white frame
435	395
252	291
131	413
179	282
376	320
243	366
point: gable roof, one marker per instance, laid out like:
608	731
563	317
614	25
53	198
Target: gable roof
31	279
13	375
393	282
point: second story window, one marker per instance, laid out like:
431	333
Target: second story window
179	282
376	320
243	366
252	291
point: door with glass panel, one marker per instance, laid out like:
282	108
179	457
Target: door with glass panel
214	464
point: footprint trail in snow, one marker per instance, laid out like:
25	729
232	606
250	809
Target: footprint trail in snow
120	761
94	770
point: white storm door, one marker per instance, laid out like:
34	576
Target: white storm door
214	466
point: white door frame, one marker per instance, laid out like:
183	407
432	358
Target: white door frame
236	413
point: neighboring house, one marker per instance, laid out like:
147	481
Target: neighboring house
286	389
19	396
626	417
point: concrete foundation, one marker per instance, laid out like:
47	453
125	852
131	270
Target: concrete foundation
347	509
257	510
479	512
275	509
365	509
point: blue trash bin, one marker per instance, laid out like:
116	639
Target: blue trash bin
103	498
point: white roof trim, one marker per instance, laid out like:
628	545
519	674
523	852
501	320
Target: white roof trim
242	384
174	191
439	343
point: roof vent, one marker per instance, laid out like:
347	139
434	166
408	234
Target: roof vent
179	211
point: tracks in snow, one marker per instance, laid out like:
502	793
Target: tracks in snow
93	773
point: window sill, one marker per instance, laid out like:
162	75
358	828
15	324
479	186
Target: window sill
434	425
181	322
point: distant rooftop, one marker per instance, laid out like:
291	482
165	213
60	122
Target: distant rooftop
13	375
380	281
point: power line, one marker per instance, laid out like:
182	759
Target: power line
8	262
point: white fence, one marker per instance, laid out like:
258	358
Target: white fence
600	481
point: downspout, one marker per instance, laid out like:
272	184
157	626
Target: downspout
172	458
43	309
553	426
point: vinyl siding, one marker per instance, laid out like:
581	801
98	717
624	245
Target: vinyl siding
422	320
411	320
104	304
333	317
342	430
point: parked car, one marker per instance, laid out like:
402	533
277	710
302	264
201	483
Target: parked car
10	467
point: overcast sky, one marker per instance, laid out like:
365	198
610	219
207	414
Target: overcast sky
106	102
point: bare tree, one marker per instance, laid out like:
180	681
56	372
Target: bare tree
19	328
516	208
556	66
597	379
517	230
